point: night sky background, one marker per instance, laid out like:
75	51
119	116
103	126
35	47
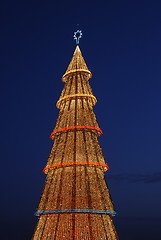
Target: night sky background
121	44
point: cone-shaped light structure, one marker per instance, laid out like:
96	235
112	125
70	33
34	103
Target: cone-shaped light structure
77	64
76	203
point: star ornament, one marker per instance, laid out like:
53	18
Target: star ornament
77	36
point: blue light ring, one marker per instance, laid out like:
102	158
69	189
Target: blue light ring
40	212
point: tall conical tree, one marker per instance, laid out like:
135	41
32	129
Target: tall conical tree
76	203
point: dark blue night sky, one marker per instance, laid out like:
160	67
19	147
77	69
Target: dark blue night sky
121	44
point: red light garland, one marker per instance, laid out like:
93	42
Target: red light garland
76	163
76	127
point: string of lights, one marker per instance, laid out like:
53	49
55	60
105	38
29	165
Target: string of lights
76	71
65	164
76	127
75	203
76	95
38	213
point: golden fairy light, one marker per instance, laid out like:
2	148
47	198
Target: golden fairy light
75	203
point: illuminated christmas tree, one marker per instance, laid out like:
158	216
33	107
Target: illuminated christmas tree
75	202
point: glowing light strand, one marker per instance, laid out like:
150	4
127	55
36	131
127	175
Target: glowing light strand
76	95
59	130
77	36
75	211
77	70
106	167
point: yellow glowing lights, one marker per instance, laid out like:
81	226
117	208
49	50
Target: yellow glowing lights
75	71
75	203
76	95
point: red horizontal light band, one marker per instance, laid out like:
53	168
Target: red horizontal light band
76	163
76	127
